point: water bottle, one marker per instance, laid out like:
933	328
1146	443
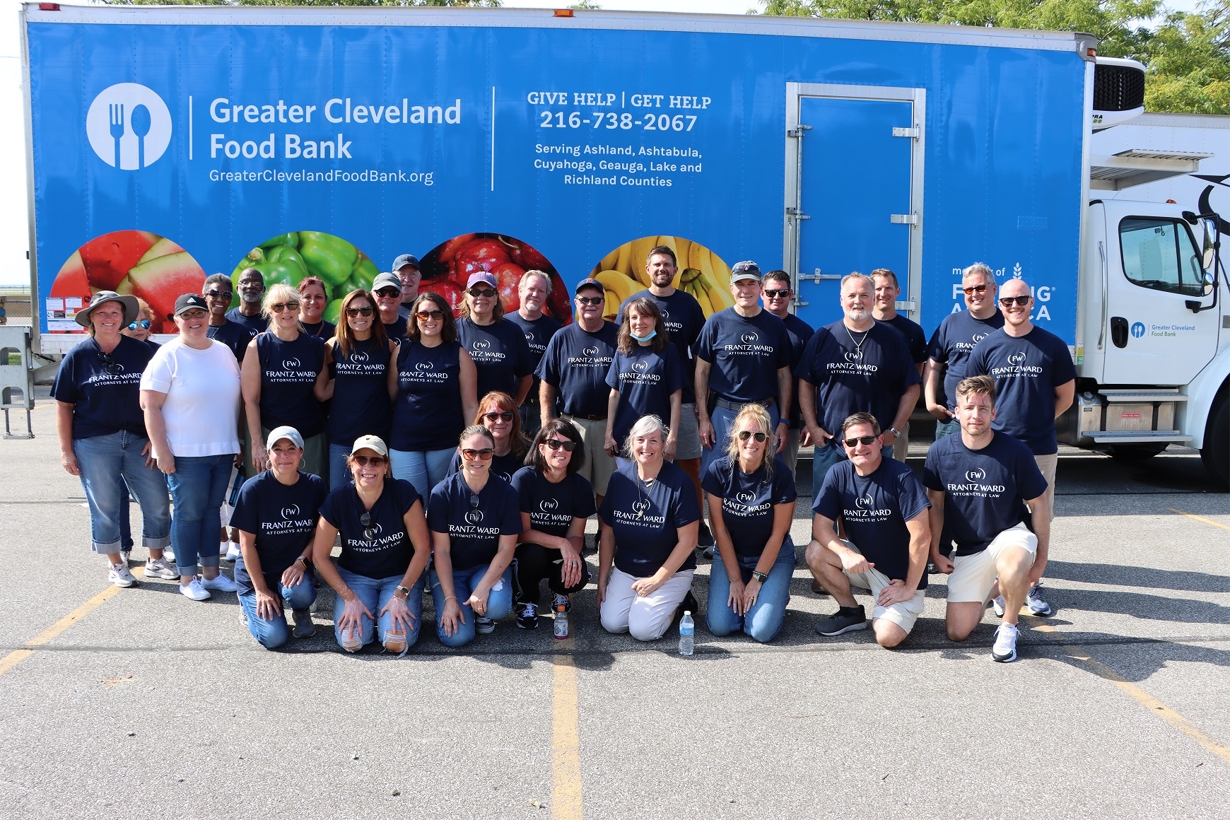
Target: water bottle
561	621
687	634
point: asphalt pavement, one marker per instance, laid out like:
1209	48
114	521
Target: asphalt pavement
139	702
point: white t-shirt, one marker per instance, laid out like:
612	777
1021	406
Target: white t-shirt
201	410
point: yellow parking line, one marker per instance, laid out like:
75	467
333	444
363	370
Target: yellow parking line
52	632
565	742
1199	518
1155	706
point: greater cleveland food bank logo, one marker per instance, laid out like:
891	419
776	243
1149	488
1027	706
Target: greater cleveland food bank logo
128	126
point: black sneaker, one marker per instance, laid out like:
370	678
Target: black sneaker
845	620
817	588
705	538
690	604
304	627
527	616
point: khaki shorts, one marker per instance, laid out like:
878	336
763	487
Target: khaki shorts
903	614
598	465
973	576
688	441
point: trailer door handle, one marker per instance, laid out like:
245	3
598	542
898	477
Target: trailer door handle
1119	331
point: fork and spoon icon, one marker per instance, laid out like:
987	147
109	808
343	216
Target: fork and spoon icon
140	122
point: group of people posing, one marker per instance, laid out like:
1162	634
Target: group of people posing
469	453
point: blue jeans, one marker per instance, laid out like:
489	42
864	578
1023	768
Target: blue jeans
375	593
109	466
422	468
198	488
947	428
339	473
764	620
499	601
275	633
722	419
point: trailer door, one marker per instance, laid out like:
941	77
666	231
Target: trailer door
853	191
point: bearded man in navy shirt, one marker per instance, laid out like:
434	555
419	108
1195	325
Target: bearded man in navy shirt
981	485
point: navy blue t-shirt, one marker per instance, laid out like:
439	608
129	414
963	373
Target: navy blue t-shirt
505	466
382	549
538	333
875	509
953	342
288	376
1026	370
551	507
647	519
915	338
104	402
576	364
684	319
745	354
748	500
360	405
283	519
323	329
852	378
799	332
252	324
473	530
985	490
500	353
427	413
645	381
233	335
396	329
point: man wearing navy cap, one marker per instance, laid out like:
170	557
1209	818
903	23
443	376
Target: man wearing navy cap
406	267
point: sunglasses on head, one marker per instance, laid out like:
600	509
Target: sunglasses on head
359	311
278	307
775	294
143	324
863	440
555	444
375	461
1007	301
501	416
974	289
113	367
482	292
590	300
482	455
220	294
744	435
429	315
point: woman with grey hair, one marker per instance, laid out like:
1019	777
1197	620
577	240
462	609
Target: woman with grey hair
649	522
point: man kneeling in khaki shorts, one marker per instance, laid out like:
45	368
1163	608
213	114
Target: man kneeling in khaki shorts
979	484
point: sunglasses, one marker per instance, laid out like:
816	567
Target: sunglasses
777	294
482	455
365	520
504	416
863	440
1007	301
389	293
590	300
429	315
555	444
113	367
485	293
473	501
143	324
375	461
744	435
278	307
974	289
220	294
362	311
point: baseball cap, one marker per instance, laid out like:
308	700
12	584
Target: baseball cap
745	270
403	260
484	278
374	443
190	301
386	280
284	432
587	283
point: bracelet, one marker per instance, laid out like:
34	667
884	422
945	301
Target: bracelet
760	576
450	597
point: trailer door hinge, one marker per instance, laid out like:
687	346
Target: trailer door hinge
904	219
912	133
798	132
796	213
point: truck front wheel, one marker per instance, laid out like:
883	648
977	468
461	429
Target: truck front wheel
1216	451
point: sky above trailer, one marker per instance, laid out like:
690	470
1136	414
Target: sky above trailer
14	226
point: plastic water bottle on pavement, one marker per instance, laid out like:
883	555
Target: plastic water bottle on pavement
561	621
687	634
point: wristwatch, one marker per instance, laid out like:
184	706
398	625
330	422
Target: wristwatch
404	590
760	576
895	431
303	559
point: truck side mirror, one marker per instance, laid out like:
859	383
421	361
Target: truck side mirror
1212	241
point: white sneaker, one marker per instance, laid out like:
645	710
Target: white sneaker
1036	602
998	603
159	568
194	590
1004	650
232	552
219	584
121	576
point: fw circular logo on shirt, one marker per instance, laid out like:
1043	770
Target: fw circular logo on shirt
290	512
975	475
474	517
548	505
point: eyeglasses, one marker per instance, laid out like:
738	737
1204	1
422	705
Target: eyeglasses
555	444
429	315
193	314
484	293
590	300
375	461
362	311
503	416
863	440
1007	301
143	324
744	435
113	367
278	307
974	289
482	455
777	294
389	293
220	294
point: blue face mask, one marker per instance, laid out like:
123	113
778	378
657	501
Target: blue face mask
644	338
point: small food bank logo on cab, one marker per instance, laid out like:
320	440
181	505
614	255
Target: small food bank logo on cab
128	126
